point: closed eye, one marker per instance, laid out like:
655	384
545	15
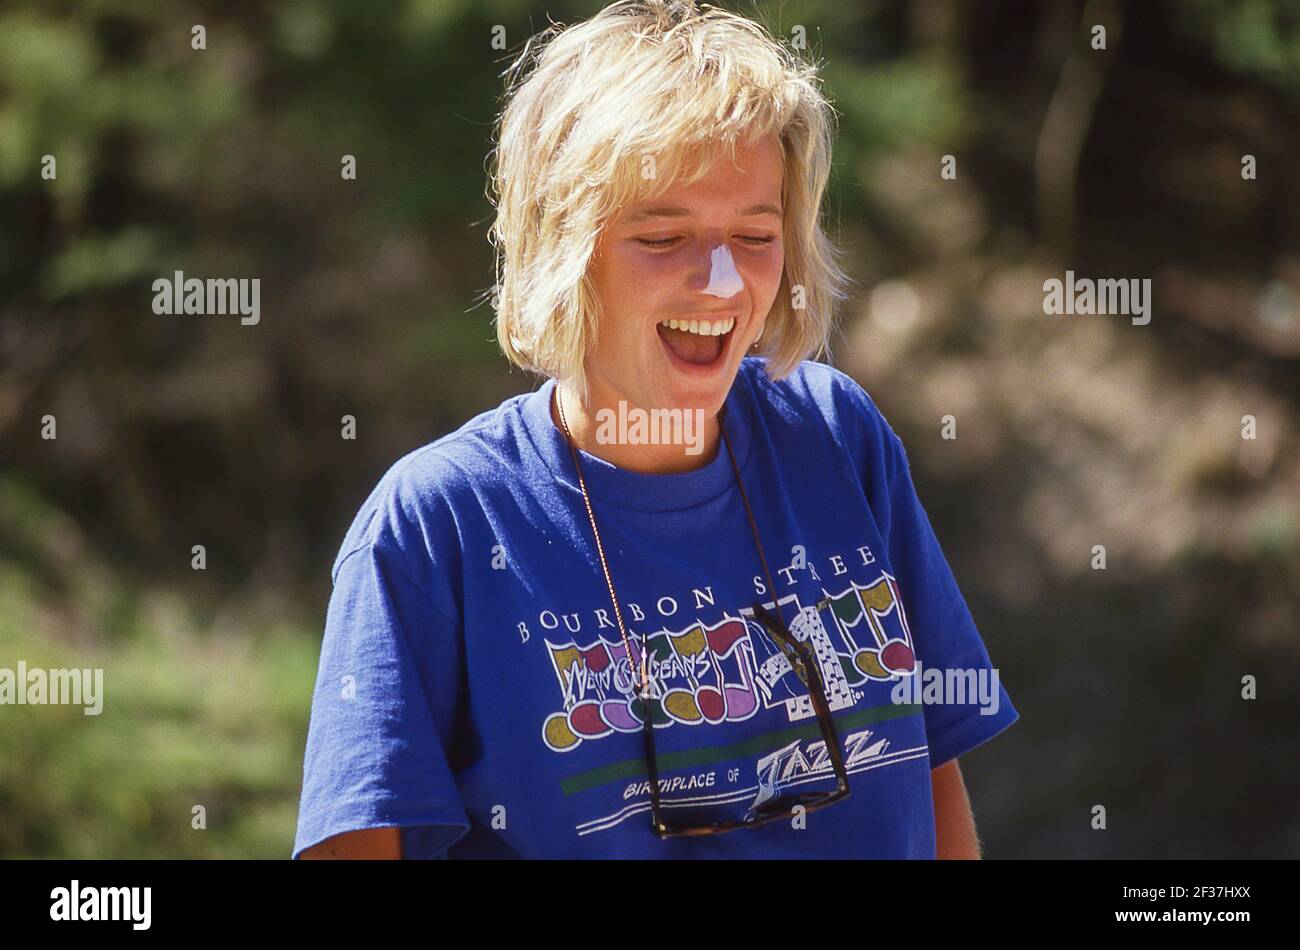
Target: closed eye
668	242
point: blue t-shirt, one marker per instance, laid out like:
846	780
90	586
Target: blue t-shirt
474	686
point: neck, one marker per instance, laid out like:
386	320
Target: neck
607	433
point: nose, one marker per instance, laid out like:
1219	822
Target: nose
724	280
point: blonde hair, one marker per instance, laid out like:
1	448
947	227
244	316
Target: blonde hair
586	104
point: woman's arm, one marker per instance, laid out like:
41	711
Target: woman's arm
368	844
954	824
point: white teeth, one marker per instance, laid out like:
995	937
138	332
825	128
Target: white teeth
702	327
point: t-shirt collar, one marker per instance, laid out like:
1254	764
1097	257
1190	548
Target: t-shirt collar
638	490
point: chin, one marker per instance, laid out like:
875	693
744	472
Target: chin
708	395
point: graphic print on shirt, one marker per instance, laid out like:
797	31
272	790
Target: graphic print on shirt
703	675
707	675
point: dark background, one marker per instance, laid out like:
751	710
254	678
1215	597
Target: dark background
1071	431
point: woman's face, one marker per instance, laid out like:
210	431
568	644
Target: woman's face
711	254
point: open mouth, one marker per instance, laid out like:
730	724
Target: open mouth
697	342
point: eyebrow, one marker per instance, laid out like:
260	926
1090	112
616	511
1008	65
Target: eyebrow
764	208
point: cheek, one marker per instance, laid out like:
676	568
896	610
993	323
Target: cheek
631	286
652	272
638	281
765	274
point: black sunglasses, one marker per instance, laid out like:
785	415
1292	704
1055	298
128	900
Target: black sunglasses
805	666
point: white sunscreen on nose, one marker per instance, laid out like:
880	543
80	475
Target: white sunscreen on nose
724	280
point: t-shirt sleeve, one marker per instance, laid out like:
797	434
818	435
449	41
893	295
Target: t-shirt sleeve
944	634
382	713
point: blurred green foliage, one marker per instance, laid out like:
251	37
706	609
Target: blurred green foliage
189	717
188	722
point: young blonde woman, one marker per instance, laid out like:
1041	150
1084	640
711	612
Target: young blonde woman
664	605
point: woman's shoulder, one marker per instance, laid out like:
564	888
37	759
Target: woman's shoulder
818	392
421	498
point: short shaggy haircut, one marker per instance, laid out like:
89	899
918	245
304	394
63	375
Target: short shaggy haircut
588	107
